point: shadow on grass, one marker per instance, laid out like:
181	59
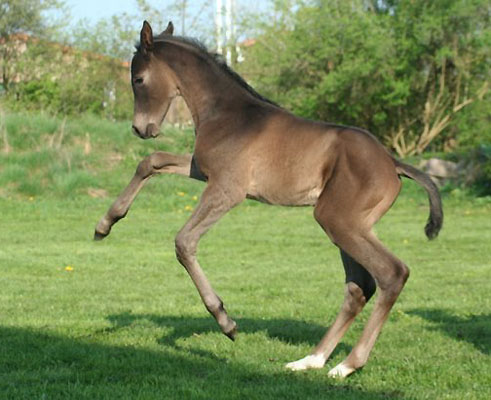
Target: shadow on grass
34	364
288	331
474	329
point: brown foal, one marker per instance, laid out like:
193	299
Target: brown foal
247	146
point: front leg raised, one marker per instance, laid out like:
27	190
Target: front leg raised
157	163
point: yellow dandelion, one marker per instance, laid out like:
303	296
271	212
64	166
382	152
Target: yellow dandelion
195	198
31	198
405	241
69	268
188	208
181	194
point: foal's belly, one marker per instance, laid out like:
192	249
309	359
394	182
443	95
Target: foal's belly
297	199
285	190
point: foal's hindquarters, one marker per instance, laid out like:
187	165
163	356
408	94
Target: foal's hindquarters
362	187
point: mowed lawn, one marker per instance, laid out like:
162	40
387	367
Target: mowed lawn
120	319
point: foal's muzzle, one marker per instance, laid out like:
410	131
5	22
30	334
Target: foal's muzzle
151	131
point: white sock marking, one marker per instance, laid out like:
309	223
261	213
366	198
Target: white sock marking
311	361
340	371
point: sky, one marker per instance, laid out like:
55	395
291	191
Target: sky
94	10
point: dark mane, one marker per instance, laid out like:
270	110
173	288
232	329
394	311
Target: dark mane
214	57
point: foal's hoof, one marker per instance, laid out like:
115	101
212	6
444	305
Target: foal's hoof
102	229
232	333
99	236
340	371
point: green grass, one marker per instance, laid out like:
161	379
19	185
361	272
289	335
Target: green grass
127	322
52	157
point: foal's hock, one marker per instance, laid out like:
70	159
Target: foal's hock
247	146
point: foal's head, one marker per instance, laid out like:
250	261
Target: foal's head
153	83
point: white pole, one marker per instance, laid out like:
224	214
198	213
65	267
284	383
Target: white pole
238	51
219	26
228	31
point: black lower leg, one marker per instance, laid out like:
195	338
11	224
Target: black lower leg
358	274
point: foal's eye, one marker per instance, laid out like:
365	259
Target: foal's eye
138	81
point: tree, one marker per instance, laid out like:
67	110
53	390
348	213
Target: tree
187	16
402	69
114	36
445	45
22	16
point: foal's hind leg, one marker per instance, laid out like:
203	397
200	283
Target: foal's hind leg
390	274
350	204
157	163
350	228
360	287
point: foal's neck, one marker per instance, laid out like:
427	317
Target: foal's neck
205	87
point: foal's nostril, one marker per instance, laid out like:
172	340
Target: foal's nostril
152	130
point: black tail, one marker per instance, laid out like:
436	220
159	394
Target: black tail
435	220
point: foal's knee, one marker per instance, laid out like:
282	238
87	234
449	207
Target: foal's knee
184	249
181	249
394	283
401	274
150	164
144	168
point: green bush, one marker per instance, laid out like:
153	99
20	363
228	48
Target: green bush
69	82
474	175
480	160
401	69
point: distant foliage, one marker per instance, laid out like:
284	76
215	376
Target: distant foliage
409	71
38	72
78	69
21	17
482	159
64	80
475	165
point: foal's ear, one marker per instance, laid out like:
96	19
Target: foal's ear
146	38
169	30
